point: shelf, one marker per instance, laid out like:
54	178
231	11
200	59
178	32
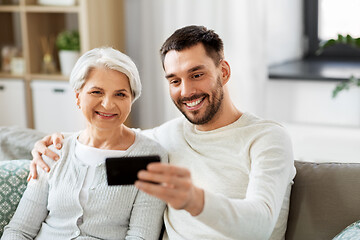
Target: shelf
321	70
51	9
9	75
9	8
57	77
39	9
37	76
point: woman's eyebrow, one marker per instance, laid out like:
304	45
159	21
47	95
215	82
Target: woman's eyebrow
121	90
98	88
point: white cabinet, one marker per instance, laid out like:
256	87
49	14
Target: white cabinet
55	108
12	103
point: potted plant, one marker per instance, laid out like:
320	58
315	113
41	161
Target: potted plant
347	40
68	44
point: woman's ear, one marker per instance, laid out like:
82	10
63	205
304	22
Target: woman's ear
225	70
77	99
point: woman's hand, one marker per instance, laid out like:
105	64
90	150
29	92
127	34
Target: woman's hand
41	148
174	187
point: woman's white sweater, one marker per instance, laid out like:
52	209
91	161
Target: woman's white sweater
50	207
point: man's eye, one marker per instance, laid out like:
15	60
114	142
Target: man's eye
197	75
174	82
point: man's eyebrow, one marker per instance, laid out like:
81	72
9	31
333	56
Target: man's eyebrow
199	67
193	69
169	75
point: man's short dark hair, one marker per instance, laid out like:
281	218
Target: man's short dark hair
190	36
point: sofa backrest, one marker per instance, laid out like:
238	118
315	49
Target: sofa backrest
17	142
325	198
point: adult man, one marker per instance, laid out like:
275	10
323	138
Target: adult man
230	173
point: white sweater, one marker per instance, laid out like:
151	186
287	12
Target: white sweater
246	170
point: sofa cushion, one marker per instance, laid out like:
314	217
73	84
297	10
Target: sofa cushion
350	232
13	175
324	200
17	142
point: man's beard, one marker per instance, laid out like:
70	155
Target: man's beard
215	101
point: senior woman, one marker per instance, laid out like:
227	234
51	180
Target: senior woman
73	200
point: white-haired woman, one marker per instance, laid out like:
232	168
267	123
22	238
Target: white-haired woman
73	200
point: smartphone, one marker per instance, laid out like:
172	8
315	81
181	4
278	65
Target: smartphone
123	170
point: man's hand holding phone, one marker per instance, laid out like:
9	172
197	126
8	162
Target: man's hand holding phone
174	186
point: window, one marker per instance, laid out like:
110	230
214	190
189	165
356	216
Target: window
324	19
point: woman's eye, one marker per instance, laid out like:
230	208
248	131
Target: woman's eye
120	95
95	92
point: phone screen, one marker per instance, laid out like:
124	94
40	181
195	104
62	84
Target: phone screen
123	170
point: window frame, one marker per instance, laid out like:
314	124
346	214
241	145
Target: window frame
338	51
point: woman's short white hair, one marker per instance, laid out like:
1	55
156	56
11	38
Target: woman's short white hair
105	57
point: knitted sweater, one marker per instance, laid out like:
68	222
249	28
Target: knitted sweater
50	207
246	170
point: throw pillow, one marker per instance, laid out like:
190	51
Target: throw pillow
351	232
13	175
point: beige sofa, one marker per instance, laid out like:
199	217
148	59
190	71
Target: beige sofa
325	197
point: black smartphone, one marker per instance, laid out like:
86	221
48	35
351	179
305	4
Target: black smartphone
123	170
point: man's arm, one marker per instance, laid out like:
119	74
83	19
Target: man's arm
253	217
41	148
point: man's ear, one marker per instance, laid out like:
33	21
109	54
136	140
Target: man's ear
225	70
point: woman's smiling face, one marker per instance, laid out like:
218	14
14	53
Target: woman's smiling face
105	99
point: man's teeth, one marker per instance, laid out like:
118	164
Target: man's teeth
192	104
105	115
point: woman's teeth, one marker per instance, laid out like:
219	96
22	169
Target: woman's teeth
105	115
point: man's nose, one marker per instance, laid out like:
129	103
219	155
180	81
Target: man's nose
187	88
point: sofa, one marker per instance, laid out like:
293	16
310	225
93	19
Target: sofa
324	199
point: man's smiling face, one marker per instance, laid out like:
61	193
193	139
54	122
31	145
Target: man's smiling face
195	83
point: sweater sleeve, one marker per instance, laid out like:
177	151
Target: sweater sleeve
270	179
146	217
31	211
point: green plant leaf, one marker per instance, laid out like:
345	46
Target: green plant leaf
345	85
68	40
349	40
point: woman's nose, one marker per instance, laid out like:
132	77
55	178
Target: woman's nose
107	103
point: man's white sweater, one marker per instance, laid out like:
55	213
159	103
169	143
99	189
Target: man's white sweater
246	170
